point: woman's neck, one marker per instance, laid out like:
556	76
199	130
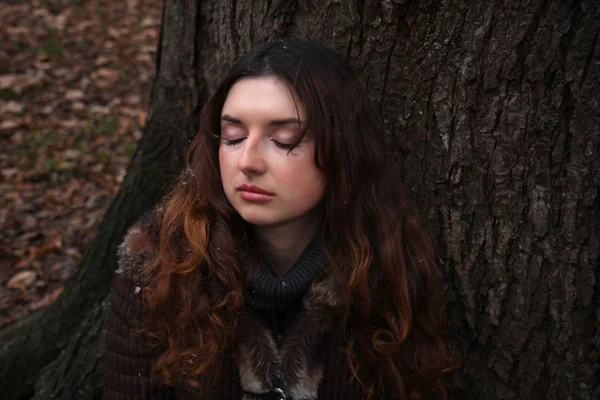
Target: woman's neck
282	245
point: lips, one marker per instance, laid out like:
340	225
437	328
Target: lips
254	189
254	193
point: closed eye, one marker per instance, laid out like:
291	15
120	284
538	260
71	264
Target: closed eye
232	142
283	146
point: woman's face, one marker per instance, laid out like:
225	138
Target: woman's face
266	183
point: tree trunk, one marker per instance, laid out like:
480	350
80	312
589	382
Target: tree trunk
492	109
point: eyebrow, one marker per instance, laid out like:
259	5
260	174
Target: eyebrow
275	122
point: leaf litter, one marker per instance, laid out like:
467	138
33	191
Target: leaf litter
75	80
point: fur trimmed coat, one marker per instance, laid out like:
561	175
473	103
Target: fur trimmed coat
304	365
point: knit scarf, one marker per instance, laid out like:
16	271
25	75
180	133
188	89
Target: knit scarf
266	292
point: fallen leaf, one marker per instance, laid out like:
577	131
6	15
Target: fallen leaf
123	125
6	81
142	118
101	61
22	264
149	21
73	252
70	123
66	165
113	33
71	154
134	99
108	73
11	107
9	172
46	300
78	106
22	280
62	72
74	95
59	21
84	25
96	109
47	110
137	134
17	30
29	223
12	123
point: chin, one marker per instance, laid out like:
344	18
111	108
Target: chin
260	219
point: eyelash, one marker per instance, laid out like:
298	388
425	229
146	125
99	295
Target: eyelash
238	141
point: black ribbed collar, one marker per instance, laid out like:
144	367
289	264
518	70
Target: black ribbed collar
266	292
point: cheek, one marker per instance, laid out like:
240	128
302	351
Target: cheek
225	161
222	157
315	189
307	180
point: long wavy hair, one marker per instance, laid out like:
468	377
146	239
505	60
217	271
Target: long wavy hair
381	259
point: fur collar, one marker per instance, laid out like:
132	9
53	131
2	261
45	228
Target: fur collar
139	245
295	367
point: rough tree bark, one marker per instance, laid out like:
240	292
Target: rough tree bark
492	110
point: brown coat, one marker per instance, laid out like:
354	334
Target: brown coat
307	362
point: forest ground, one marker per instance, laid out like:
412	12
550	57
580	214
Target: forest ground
75	81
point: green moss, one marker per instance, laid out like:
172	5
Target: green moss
130	149
103	157
42	138
22	46
107	124
53	49
50	163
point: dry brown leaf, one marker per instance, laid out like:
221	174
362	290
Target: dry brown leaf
78	106
29	223
83	25
17	30
45	301
11	107
108	73
74	94
70	123
137	134
22	264
145	35
113	33
134	99
142	117
123	125
102	61
71	154
8	173
149	21
7	81
62	72
12	123
60	20
22	280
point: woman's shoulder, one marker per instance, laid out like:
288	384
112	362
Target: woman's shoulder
140	244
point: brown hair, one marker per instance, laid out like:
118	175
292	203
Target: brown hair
382	260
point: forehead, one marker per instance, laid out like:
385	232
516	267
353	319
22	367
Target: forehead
265	97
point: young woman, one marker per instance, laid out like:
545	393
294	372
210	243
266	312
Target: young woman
286	262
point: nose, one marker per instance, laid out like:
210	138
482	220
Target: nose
251	161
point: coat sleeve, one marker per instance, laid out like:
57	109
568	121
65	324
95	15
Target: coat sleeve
127	359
